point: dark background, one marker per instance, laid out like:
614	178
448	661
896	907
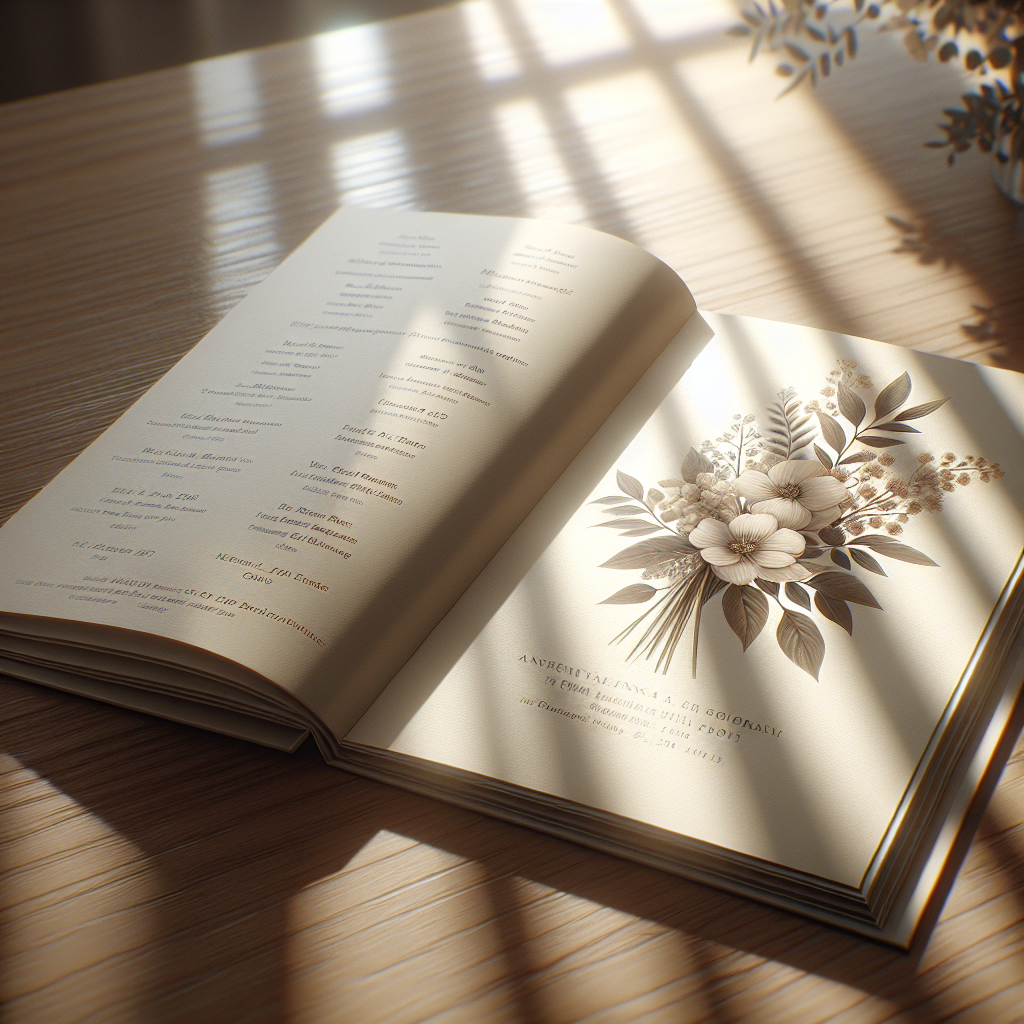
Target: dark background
49	45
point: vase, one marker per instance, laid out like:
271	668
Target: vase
1008	164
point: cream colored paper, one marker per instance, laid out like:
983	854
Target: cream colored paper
307	491
754	754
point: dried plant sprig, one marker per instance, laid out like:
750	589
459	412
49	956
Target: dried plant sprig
746	518
986	35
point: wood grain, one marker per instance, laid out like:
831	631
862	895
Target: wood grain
157	873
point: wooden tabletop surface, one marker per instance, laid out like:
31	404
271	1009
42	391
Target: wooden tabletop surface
158	873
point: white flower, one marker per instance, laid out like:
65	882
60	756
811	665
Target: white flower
679	498
687	504
750	546
799	493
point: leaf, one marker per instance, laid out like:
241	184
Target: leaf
622	510
917	411
797	80
789	428
836	611
633	594
823	457
833	433
874	441
892	548
641	531
842	558
630	485
801	641
798	595
694	464
649	553
850	404
897	427
797	52
803	431
866	561
624	524
654	496
842	586
746	611
856	457
915	45
768	587
1000	57
612	499
892	396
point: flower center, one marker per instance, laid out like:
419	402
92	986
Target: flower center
742	547
789	491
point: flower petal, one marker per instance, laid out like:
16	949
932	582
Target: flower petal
787	574
824	518
787	511
795	471
788	541
766	558
753	528
821	493
710	532
741	573
717	555
755	486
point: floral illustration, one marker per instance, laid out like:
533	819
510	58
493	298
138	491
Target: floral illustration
769	514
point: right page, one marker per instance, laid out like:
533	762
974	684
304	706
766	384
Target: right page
834	520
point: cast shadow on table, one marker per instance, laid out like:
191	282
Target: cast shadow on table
221	922
992	324
226	883
959	218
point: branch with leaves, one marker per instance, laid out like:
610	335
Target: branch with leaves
816	36
753	519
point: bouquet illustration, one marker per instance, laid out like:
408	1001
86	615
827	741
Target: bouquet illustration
767	513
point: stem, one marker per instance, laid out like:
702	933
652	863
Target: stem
856	513
657	522
672	612
702	597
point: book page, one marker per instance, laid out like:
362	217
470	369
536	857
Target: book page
828	647
311	486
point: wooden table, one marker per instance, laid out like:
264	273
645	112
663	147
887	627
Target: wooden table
158	873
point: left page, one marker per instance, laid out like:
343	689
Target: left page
307	490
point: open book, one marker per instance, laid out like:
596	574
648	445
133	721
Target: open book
488	509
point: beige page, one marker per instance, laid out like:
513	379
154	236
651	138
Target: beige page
800	758
307	491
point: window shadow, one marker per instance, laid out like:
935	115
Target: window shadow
232	835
